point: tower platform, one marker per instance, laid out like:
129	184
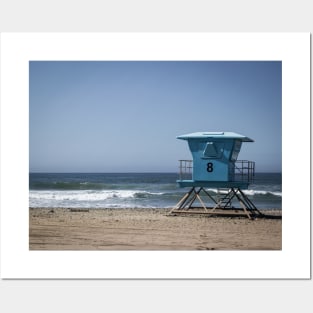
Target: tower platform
213	184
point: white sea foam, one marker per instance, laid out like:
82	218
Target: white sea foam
250	192
117	198
262	192
86	195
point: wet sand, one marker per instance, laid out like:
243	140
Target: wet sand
148	229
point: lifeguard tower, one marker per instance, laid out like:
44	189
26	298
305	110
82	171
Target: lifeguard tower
215	166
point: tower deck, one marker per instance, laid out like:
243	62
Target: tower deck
212	184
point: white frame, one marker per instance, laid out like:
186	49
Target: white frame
17	49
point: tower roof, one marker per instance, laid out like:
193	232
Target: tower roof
215	135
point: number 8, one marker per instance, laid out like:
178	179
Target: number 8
209	167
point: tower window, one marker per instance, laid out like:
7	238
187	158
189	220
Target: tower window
210	150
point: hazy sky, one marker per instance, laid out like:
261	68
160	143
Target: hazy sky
118	116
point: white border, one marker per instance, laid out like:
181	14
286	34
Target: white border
17	49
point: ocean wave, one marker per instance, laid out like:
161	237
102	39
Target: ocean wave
37	196
89	195
249	192
263	193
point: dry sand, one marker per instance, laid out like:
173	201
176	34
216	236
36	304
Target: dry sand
148	229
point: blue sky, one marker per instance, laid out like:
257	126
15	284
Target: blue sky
124	116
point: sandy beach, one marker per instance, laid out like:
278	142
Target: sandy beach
148	229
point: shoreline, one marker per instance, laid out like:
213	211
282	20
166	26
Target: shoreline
148	229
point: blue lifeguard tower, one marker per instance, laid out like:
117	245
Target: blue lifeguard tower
215	165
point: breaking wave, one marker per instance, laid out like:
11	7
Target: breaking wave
89	195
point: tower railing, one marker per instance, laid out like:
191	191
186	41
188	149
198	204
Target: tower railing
185	169
243	170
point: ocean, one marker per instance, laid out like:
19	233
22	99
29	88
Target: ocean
132	190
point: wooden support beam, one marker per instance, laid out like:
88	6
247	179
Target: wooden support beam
202	202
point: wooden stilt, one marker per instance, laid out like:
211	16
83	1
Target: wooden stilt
199	198
183	200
